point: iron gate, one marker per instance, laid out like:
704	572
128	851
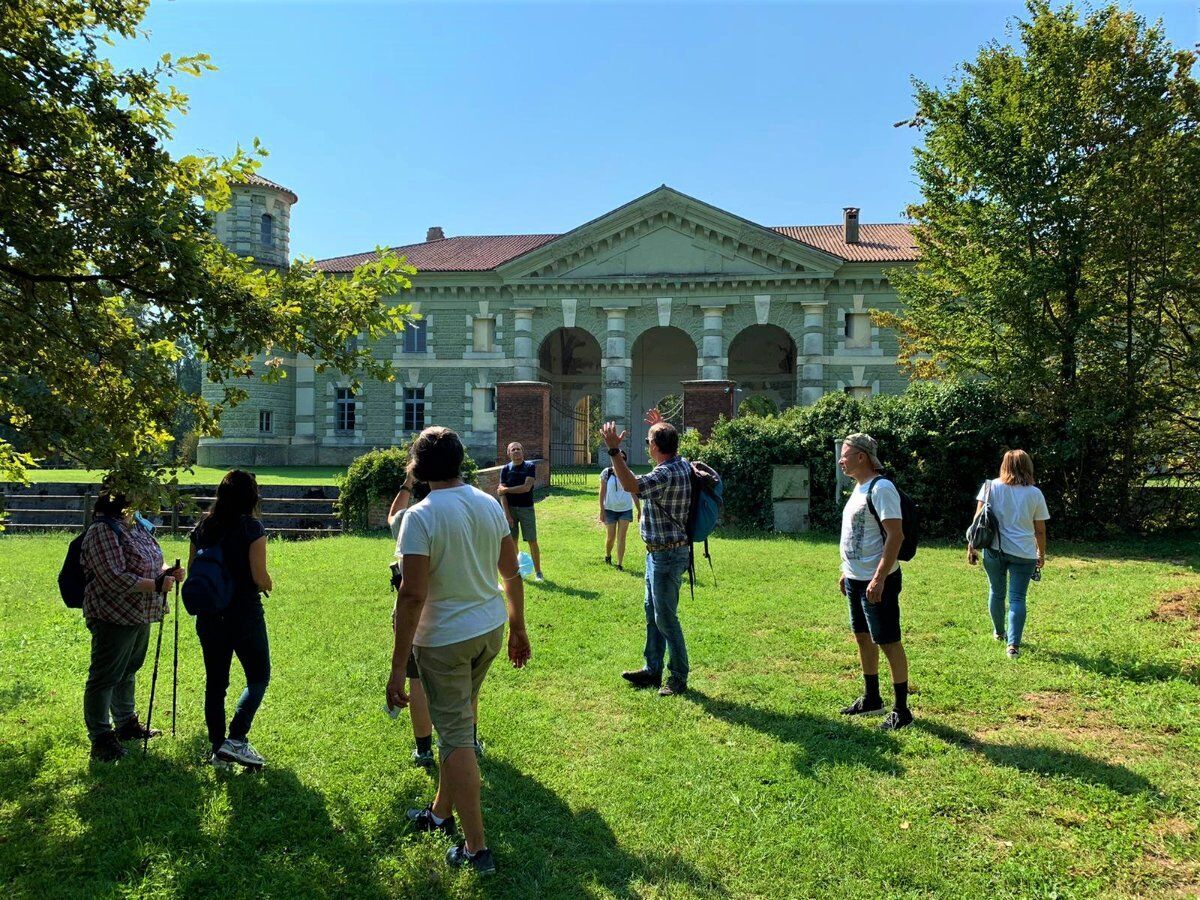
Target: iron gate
570	446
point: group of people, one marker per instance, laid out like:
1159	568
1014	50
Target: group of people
450	615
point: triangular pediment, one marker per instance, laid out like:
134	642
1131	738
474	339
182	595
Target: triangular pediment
668	233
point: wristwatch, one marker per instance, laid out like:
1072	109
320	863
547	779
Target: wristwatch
613	451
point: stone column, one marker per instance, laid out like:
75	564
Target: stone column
304	438
705	401
812	372
523	414
714	364
525	362
616	365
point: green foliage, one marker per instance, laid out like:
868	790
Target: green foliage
757	405
109	270
377	475
1060	180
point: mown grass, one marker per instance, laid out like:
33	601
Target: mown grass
204	475
1071	772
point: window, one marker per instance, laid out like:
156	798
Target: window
266	230
485	332
483	408
344	410
414	409
858	330
415	336
264	421
859	392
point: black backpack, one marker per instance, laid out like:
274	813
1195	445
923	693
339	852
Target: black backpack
910	518
72	578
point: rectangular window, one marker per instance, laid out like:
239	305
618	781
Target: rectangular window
858	330
415	336
483	408
344	410
485	333
414	409
264	421
860	392
266	230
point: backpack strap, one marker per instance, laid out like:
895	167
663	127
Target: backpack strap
871	507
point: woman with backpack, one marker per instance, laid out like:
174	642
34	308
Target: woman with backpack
240	628
1017	549
124	593
616	512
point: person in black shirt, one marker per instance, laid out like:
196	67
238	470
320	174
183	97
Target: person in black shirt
516	497
240	629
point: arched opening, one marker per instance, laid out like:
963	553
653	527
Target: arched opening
266	229
569	360
762	360
663	357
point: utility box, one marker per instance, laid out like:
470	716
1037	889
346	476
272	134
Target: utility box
789	498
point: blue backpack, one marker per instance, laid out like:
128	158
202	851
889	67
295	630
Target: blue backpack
209	584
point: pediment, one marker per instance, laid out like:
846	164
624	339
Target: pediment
668	233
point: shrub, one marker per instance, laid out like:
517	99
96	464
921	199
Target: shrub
377	475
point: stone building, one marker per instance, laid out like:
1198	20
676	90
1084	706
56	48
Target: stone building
664	298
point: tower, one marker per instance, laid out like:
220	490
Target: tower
258	222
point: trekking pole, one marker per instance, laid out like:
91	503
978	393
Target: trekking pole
175	680
153	682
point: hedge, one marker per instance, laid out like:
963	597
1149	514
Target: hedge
377	475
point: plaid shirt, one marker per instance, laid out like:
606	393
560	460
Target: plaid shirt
667	492
114	566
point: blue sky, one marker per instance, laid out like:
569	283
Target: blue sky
508	118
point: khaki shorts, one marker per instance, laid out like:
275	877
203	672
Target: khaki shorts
524	523
452	676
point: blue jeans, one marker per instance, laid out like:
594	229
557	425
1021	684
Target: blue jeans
1011	574
664	575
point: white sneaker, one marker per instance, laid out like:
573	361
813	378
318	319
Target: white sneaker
539	577
217	763
240	752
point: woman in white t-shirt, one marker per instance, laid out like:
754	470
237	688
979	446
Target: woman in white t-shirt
616	512
1019	549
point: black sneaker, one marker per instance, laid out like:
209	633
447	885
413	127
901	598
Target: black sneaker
422	820
642	678
107	748
481	862
864	707
133	730
896	720
672	687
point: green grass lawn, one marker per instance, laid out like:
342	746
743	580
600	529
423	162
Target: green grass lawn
205	475
1072	771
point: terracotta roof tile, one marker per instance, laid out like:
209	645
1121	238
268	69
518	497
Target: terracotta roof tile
263	182
876	243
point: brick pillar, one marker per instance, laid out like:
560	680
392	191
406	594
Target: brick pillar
523	414
706	401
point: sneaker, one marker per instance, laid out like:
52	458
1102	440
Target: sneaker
642	678
422	820
481	862
107	748
998	636
608	560
896	720
424	760
864	707
216	762
240	752
133	730
479	747
672	687
1013	651
620	568
537	576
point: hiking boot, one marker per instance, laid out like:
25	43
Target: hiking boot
608	560
481	862
107	748
864	707
642	678
424	760
422	820
1013	651
133	730
896	720
242	753
672	687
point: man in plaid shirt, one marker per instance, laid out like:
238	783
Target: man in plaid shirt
667	495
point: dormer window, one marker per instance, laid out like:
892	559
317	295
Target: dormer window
267	230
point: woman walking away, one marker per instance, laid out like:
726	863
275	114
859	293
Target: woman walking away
124	594
1018	550
616	512
240	629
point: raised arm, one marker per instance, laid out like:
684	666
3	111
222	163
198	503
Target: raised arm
620	468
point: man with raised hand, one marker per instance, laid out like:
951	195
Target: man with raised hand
872	531
667	495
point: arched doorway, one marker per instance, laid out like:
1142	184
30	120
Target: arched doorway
569	359
762	360
663	357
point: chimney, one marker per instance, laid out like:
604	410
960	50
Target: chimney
850	222
435	234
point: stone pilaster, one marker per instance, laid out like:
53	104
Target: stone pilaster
525	362
812	371
616	366
714	364
304	438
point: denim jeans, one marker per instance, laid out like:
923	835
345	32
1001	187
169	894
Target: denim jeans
1008	574
664	575
118	651
221	636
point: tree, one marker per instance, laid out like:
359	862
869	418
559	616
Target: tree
1060	182
108	265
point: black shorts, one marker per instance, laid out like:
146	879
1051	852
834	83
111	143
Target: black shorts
881	620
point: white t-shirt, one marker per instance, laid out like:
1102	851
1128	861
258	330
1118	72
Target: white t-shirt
460	530
1017	507
616	498
862	538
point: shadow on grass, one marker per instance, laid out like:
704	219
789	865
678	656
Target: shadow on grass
1138	671
823	742
550	586
1046	761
